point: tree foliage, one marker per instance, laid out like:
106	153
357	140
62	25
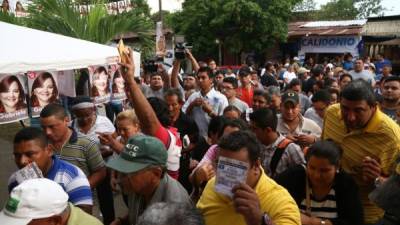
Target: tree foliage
241	25
63	17
350	9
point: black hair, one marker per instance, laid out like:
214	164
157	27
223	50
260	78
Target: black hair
215	125
29	134
261	92
322	96
238	123
53	109
325	149
268	65
206	69
294	82
345	75
176	92
264	118
317	71
359	90
238	140
232	81
392	78
232	108
160	108
244	71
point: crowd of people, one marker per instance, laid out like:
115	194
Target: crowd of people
312	141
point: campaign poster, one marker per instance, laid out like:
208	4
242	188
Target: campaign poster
13	106
66	83
118	87
43	90
100	80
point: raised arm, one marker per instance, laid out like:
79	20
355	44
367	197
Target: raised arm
193	60
174	75
144	111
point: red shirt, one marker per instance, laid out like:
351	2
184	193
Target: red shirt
170	138
246	95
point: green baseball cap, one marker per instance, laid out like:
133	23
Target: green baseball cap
140	152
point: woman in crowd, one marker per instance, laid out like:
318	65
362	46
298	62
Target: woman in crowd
344	80
324	194
101	82
12	96
44	90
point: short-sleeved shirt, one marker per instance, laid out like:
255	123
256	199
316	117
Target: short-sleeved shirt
101	125
169	190
364	74
241	105
380	139
82	152
218	102
71	179
275	201
292	156
312	115
77	217
172	142
246	95
306	126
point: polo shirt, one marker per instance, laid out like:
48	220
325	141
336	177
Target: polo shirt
380	139
71	179
218	102
77	217
275	201
169	191
306	126
82	152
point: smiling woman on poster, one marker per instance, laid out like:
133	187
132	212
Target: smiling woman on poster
44	90
118	86
100	85
12	95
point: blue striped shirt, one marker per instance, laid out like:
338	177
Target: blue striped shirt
70	177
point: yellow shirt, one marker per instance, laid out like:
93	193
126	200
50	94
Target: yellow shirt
274	200
380	140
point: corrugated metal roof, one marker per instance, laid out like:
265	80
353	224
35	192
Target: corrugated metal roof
297	29
339	23
382	28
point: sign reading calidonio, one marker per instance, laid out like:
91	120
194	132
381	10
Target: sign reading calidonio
330	44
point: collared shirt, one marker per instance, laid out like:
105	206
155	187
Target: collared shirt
275	201
292	156
71	179
218	102
312	115
169	190
246	95
82	152
77	217
364	74
380	139
306	126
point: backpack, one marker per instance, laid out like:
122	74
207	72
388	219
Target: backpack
278	154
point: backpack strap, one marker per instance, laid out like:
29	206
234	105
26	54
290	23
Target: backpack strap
278	154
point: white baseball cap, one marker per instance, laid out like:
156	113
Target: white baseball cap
34	199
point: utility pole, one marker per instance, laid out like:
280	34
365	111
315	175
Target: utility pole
160	10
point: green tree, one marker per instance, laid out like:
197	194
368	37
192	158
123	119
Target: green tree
305	6
350	9
63	17
241	25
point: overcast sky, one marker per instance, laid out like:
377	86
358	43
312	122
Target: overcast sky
392	6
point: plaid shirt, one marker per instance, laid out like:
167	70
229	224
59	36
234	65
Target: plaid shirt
292	156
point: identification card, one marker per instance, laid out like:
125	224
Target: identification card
30	171
230	172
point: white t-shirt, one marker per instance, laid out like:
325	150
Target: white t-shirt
289	76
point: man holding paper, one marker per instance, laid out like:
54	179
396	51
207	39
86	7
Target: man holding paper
241	193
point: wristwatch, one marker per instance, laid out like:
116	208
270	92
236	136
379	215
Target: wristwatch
265	220
322	222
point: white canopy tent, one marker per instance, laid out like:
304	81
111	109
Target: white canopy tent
24	49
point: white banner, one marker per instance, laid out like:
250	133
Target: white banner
329	44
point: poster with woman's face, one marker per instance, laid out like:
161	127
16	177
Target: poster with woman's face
118	87
100	80
43	90
13	105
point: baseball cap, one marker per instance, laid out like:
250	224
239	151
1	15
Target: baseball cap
140	152
302	70
290	96
34	199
